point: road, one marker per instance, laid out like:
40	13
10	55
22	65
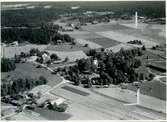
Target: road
100	106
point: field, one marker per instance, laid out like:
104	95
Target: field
104	42
119	46
67	47
82	34
91	44
72	56
109	35
124	38
114	26
29	70
151	56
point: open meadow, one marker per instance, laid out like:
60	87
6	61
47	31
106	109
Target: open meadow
10	52
29	70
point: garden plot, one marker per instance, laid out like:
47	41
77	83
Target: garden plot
124	38
72	56
10	52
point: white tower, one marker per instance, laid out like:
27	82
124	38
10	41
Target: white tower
136	19
138	96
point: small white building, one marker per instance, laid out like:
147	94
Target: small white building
45	58
95	62
32	59
15	43
58	101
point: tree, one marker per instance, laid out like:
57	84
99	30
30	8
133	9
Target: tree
137	63
66	59
141	76
143	47
84	65
54	57
22	54
7	65
151	76
42	80
67	38
35	51
92	52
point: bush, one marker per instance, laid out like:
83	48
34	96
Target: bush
86	45
151	76
35	51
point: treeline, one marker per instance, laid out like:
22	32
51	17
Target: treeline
42	35
7	65
112	67
15	86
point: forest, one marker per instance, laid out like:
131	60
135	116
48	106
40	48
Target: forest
38	15
43	35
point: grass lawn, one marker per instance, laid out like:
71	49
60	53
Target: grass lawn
105	42
152	88
52	115
29	70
